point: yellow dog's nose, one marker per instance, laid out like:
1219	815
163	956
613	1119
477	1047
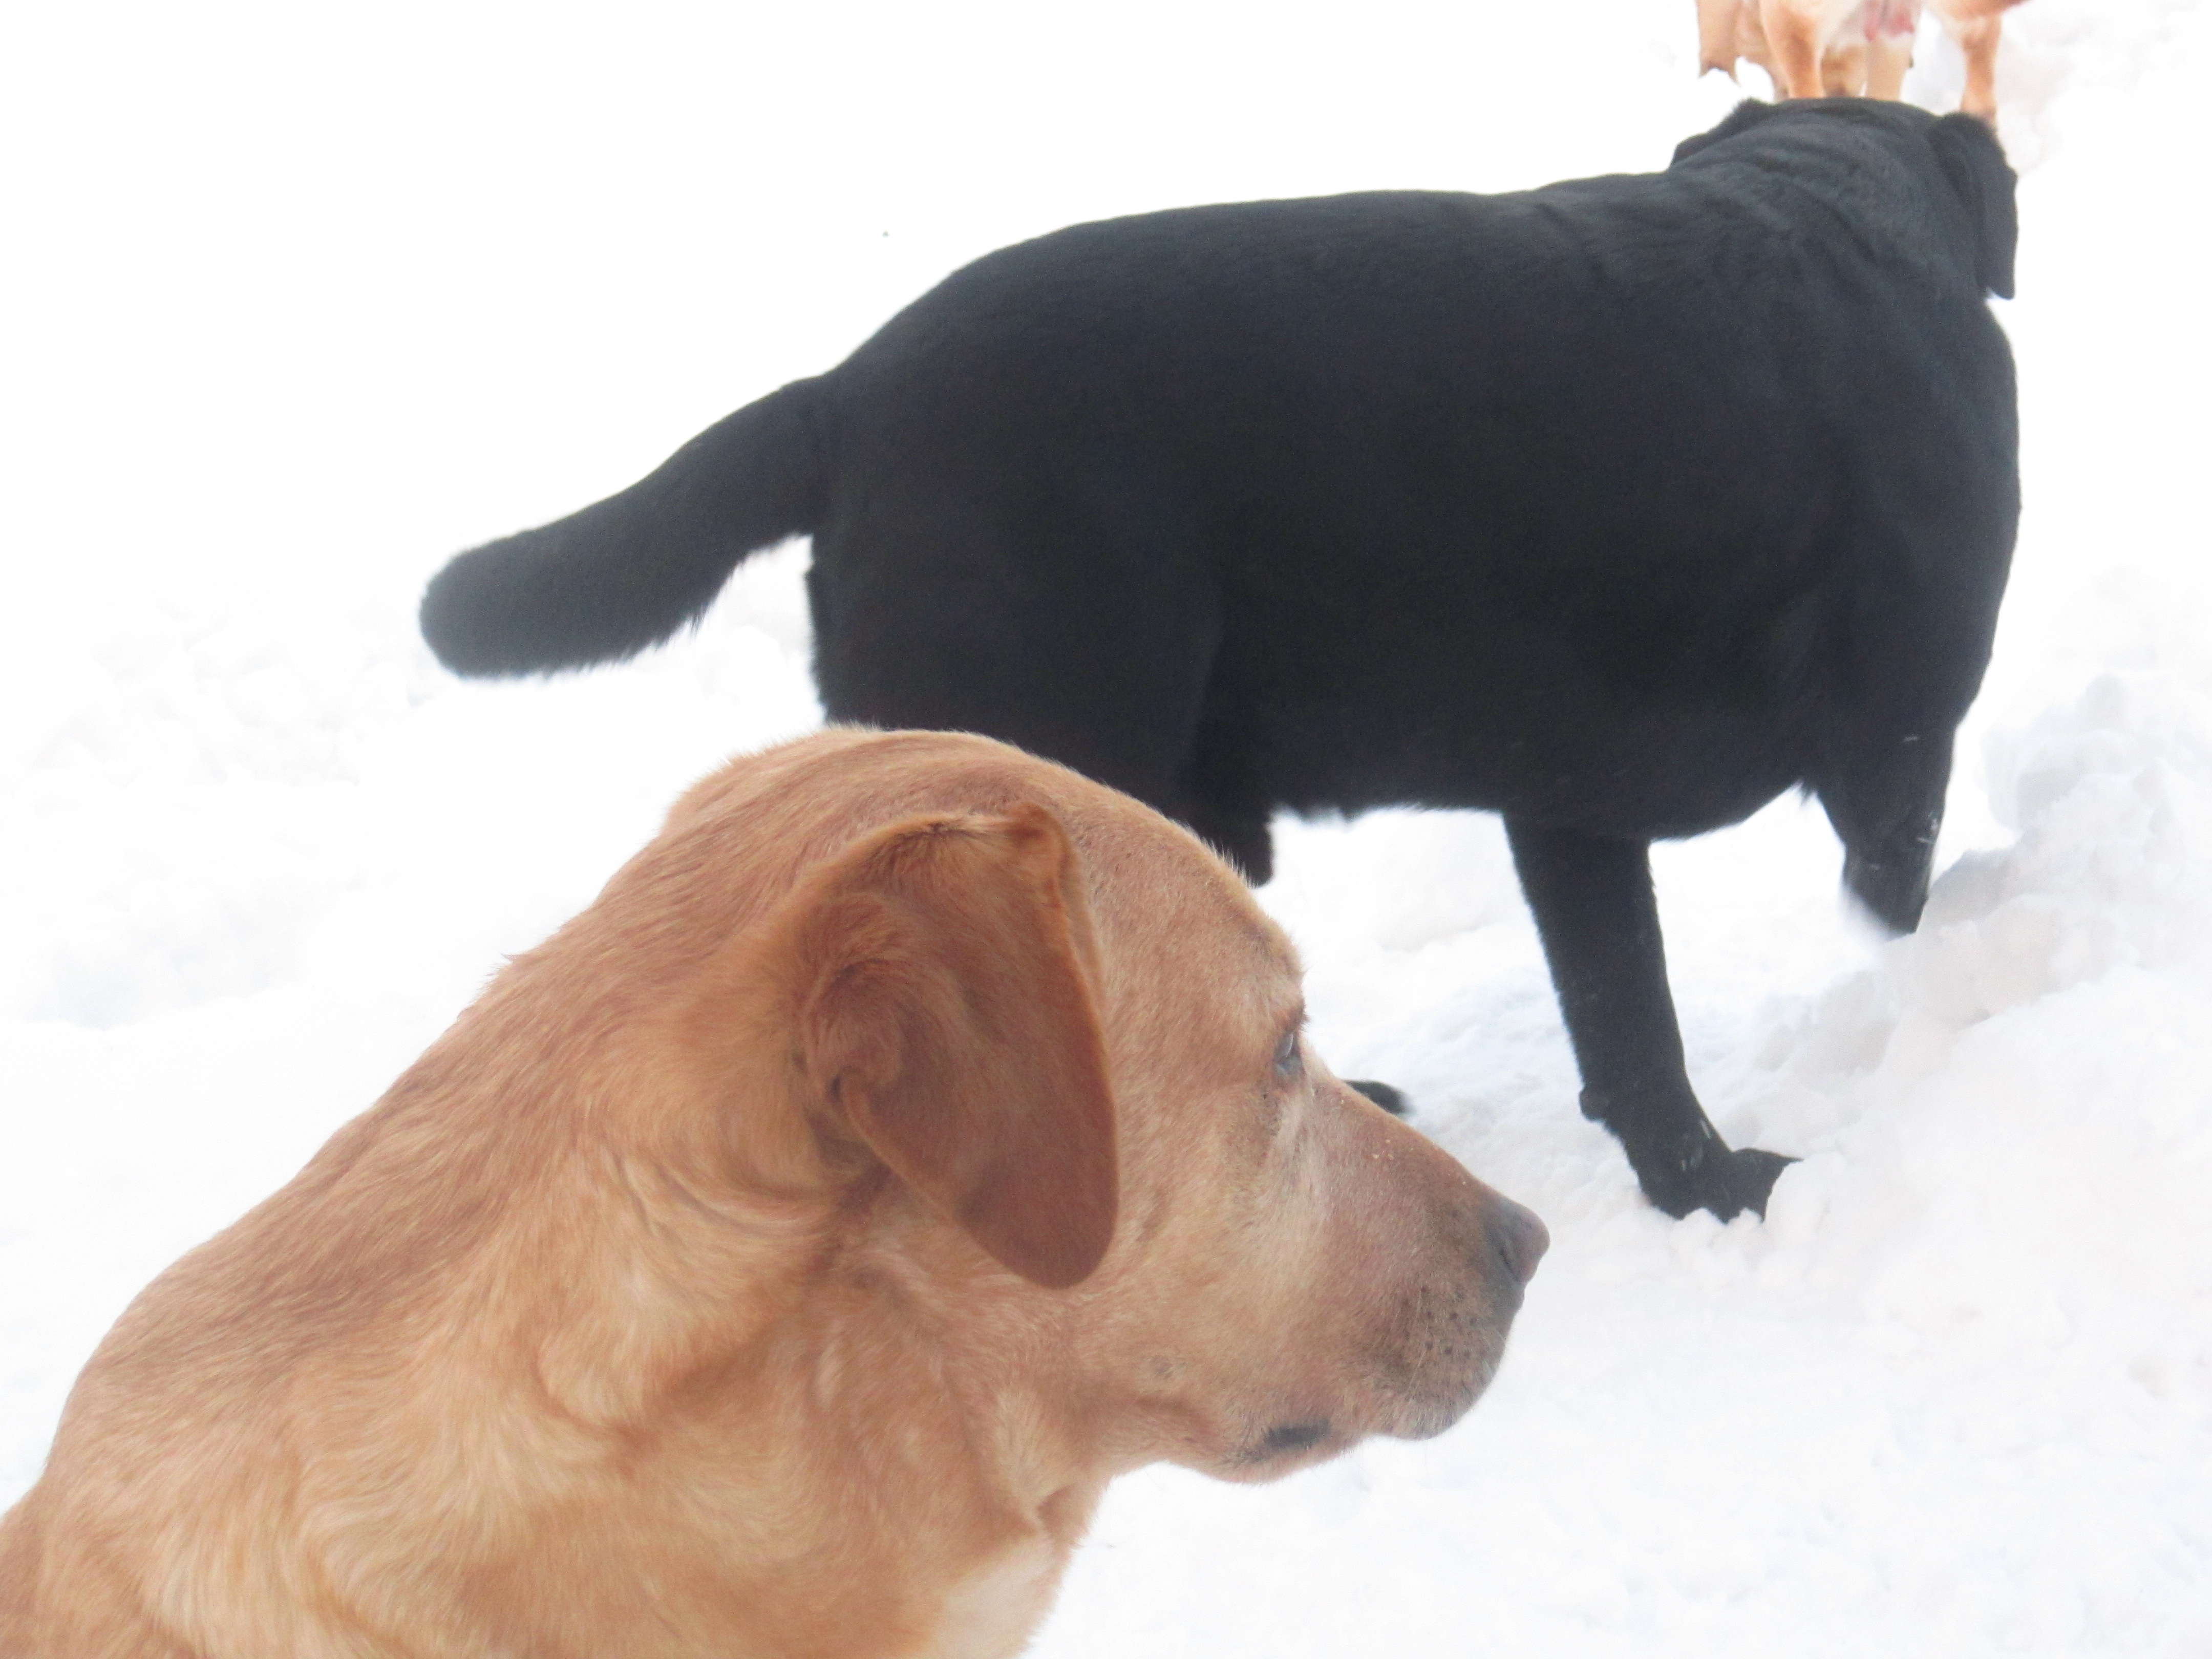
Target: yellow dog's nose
1520	1239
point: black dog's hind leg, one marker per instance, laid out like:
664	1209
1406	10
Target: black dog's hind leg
1391	1100
1240	835
1217	794
1227	810
1599	922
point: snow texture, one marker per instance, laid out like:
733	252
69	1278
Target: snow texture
303	300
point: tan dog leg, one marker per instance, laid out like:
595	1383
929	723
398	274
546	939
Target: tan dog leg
1977	38
1794	39
1887	58
1717	44
1844	69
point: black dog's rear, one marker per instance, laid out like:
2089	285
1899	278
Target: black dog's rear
1618	507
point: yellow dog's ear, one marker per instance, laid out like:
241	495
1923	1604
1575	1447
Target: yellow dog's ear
946	1015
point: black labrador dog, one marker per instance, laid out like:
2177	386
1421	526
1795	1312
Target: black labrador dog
1617	507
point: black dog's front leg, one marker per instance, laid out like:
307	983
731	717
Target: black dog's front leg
1594	906
1886	804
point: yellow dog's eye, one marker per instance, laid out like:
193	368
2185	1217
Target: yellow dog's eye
1290	1059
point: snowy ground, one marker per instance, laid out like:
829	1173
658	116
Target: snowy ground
303	300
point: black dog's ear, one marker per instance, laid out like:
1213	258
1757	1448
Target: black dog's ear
1749	113
1974	162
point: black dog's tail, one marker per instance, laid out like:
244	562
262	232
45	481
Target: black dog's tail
605	583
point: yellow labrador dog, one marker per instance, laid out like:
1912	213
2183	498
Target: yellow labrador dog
779	1261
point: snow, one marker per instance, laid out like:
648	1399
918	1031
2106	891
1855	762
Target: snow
304	300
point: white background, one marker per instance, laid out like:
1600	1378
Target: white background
299	301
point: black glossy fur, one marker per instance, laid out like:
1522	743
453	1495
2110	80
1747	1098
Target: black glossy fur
1618	507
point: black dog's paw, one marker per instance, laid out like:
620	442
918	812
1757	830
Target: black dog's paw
1391	1100
1715	1178
1750	1178
1894	892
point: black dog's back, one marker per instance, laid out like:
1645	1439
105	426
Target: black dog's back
1618	507
1647	461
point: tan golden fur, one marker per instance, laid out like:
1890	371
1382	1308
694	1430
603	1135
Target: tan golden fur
779	1261
1849	48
